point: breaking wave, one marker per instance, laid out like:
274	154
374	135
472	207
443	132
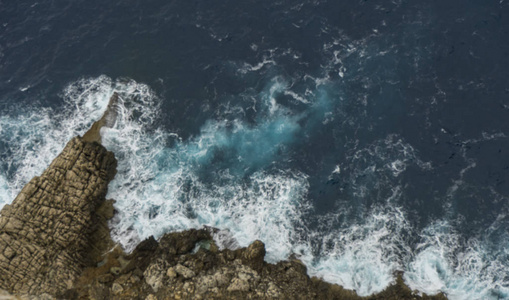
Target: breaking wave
230	176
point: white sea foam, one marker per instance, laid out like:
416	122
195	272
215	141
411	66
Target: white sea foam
364	256
5	193
463	269
34	137
165	183
296	96
251	68
159	188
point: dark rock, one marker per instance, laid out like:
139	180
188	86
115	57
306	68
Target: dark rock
254	255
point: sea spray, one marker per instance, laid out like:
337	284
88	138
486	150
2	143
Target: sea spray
222	178
218	178
462	268
364	255
32	138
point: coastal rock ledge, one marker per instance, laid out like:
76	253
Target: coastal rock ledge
46	233
55	243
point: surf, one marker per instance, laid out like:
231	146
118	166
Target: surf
232	176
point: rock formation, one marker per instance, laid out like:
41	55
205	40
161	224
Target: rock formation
107	120
55	242
188	265
45	233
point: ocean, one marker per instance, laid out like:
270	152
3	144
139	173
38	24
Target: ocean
365	137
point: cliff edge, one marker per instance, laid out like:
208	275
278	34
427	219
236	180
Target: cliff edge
188	265
55	243
45	234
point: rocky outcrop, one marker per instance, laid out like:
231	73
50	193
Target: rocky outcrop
46	233
57	225
188	265
107	120
55	243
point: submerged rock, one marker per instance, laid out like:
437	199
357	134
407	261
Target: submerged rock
107	120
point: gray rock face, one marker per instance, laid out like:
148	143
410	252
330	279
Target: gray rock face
45	233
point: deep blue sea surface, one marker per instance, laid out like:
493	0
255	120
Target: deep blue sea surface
366	137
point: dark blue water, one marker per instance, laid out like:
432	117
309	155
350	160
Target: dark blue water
365	136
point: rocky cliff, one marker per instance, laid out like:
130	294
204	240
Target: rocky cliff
188	265
45	234
55	243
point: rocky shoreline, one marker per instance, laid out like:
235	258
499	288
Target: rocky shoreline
47	233
55	243
188	265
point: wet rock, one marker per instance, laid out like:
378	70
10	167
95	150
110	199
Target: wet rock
254	254
107	120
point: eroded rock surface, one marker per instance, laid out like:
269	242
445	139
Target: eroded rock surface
188	265
46	233
55	243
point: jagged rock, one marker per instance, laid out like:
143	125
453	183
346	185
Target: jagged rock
54	241
273	291
154	274
45	232
172	270
116	288
204	283
238	285
107	120
184	272
254	254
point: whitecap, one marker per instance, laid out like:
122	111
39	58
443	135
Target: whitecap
364	255
463	269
